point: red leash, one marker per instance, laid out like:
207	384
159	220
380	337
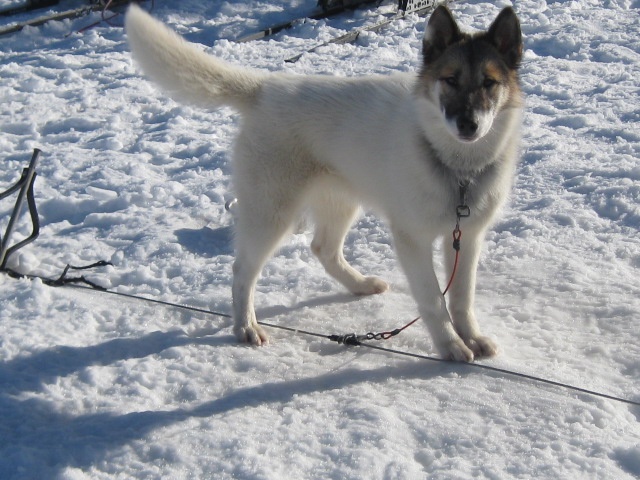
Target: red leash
462	211
457	235
353	339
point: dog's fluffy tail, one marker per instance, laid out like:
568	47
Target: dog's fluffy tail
183	70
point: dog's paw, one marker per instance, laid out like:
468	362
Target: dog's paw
371	286
457	351
482	347
253	335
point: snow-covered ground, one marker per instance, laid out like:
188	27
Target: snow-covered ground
98	386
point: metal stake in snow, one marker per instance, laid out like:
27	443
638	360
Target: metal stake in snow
25	185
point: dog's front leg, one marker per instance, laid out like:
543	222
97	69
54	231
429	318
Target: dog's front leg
462	294
416	258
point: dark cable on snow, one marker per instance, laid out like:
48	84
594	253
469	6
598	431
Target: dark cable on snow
348	341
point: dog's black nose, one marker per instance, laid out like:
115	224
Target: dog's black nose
467	128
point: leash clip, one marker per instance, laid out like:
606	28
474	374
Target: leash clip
463	211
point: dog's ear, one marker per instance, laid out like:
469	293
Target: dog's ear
440	32
506	36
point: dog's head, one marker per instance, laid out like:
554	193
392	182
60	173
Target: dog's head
471	78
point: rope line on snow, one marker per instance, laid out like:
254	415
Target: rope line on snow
349	339
370	345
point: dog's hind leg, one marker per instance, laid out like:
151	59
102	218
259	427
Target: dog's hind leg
333	213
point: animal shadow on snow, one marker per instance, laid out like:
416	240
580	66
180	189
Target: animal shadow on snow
56	440
38	440
207	242
277	310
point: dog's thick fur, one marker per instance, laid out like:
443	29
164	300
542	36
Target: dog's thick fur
401	144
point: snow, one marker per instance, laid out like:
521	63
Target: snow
98	386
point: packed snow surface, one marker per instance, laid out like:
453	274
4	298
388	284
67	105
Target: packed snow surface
98	386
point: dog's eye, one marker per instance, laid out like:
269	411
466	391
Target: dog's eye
489	82
451	81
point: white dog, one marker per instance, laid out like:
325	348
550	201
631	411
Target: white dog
402	144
